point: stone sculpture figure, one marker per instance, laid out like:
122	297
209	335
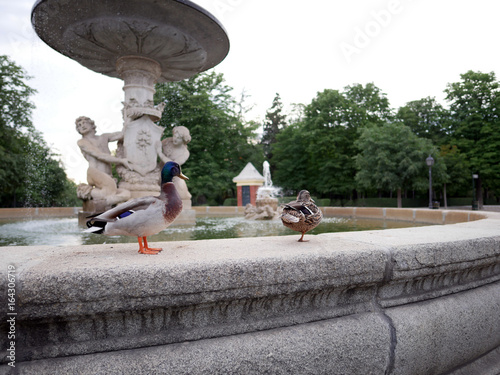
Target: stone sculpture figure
260	212
175	148
101	186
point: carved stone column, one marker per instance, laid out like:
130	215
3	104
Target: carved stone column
142	137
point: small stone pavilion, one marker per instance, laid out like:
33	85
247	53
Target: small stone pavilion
247	183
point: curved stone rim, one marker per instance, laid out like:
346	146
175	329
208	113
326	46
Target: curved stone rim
427	296
96	35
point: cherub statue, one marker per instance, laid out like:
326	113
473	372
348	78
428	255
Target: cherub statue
101	185
175	148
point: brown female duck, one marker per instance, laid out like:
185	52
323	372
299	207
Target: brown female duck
301	215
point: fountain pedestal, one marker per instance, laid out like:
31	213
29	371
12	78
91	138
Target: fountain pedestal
141	136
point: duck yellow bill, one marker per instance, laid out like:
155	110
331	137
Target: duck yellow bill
183	176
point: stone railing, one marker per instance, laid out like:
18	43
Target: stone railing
38	212
419	300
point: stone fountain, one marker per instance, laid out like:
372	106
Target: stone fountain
266	203
142	42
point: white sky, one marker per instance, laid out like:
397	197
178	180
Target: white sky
410	49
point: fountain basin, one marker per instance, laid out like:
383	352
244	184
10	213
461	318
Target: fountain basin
67	230
183	38
401	301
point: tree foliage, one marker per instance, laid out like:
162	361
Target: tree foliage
222	143
291	160
30	174
317	152
371	106
392	158
475	110
458	174
344	141
427	119
274	123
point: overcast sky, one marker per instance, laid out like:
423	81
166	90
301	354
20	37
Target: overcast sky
410	49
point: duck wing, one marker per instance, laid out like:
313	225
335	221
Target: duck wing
130	206
299	206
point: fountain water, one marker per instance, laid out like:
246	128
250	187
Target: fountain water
267	190
267	201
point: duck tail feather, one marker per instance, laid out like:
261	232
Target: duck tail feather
95	226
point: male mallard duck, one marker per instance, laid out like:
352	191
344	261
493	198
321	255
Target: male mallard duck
144	216
301	215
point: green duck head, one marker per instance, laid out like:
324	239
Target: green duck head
171	169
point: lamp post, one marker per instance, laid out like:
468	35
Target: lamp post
430	163
475	205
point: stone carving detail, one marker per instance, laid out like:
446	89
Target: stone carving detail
262	211
143	140
142	144
417	289
141	30
101	187
146	38
132	109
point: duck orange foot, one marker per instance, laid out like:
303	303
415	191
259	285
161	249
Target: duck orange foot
145	249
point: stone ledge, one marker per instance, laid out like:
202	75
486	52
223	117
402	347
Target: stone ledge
302	349
106	298
37	212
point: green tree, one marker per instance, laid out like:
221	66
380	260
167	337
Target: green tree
222	143
330	133
427	119
370	105
30	174
458	176
290	159
475	111
392	158
317	151
15	122
275	122
46	183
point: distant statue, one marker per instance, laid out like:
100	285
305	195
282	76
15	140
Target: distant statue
101	185
260	212
175	148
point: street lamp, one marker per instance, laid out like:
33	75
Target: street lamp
475	205
430	163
